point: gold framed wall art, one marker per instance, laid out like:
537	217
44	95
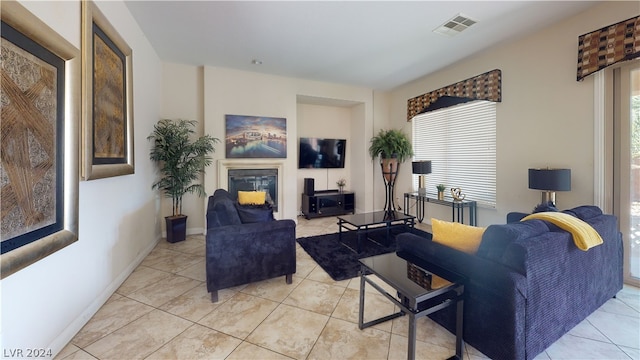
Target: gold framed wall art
40	112
107	104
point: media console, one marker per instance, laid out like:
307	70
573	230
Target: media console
328	203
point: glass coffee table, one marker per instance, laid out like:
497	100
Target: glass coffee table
420	292
362	223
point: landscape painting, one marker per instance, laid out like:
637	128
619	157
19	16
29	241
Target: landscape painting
255	137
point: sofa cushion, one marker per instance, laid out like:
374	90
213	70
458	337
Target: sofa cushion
251	197
584	212
496	238
458	236
255	213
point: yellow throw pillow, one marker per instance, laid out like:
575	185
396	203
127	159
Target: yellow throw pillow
251	197
458	236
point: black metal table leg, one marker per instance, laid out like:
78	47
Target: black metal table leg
420	209
361	309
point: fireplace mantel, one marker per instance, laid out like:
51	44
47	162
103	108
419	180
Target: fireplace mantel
224	165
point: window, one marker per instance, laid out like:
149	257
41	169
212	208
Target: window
460	141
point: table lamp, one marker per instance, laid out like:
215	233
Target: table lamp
421	168
550	181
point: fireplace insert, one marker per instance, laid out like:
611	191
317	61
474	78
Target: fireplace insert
255	180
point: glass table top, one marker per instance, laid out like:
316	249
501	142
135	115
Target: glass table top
408	278
373	218
434	197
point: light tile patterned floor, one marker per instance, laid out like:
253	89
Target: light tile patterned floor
163	311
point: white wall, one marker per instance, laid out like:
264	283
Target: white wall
182	98
235	92
45	304
323	121
545	117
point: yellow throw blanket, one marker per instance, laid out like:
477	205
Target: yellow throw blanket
584	235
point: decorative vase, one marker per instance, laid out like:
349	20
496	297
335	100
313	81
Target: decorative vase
341	189
176	228
389	168
440	195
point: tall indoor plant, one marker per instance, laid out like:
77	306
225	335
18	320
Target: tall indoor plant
393	147
181	161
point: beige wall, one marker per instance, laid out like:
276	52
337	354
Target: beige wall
182	98
545	118
45	304
236	92
324	121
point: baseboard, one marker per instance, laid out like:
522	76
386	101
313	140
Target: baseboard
67	335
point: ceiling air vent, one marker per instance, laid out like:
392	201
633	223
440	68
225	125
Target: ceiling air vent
455	25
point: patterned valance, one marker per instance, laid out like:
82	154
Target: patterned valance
487	86
607	46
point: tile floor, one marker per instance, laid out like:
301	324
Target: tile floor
163	311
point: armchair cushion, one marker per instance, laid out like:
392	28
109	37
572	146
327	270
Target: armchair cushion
222	210
255	213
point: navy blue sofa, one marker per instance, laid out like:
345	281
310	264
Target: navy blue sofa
245	244
528	284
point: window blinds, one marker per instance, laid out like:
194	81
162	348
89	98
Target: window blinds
460	141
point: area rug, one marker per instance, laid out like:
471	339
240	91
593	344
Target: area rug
338	260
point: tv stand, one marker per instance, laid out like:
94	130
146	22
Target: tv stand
328	203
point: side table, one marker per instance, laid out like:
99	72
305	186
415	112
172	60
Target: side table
457	206
420	292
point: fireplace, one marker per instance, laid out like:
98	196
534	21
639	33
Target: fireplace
255	180
254	174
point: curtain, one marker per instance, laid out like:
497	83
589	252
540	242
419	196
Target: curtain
607	46
487	86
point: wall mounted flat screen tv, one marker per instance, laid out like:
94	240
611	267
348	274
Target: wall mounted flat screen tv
319	153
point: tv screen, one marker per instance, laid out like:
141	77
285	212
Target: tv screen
317	153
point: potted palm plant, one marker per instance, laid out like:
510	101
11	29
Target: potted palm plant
440	188
181	161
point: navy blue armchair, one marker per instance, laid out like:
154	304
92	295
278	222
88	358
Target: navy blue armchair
245	244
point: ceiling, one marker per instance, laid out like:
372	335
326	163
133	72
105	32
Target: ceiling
374	44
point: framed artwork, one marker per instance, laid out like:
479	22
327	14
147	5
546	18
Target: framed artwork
107	106
40	111
255	137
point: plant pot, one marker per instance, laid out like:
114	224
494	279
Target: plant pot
176	228
440	195
389	168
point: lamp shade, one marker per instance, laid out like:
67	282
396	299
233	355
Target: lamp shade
421	167
550	179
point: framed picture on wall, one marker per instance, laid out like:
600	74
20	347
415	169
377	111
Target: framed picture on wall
107	98
39	139
255	137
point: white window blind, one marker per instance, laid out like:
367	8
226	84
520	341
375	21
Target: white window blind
460	141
